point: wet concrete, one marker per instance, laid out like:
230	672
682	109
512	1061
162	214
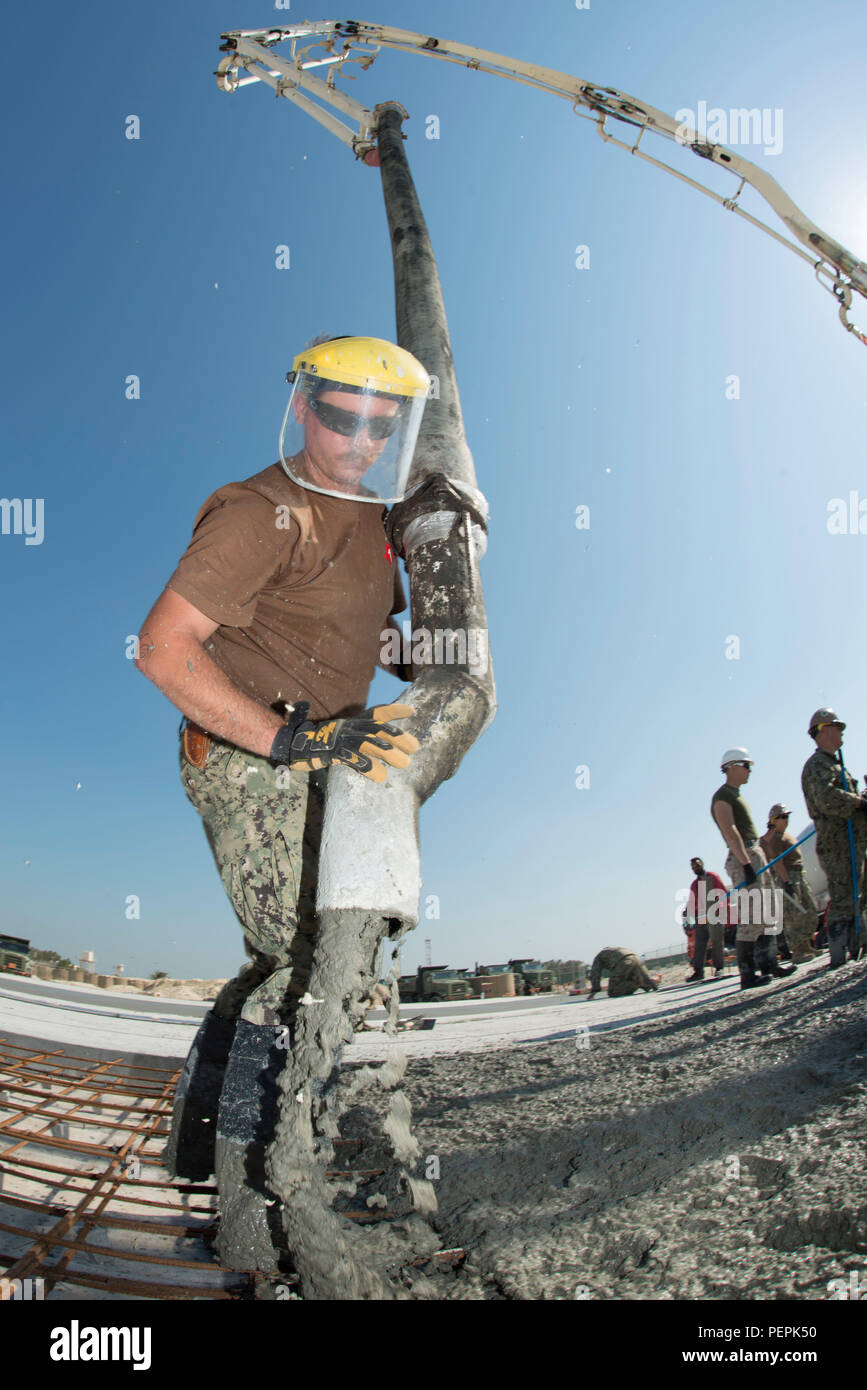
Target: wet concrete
716	1155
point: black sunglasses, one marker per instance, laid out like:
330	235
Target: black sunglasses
347	422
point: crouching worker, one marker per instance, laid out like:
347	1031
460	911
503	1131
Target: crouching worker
266	639
626	973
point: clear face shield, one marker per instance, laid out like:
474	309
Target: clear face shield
349	441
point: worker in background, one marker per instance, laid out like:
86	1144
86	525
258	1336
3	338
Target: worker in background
706	906
799	907
689	931
266	638
754	943
626	973
835	806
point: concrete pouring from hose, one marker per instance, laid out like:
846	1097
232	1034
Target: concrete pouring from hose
369	874
369	857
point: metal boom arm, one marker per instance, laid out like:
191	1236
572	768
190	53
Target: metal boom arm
352	41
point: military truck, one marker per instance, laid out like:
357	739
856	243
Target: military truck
14	955
486	986
531	977
434	984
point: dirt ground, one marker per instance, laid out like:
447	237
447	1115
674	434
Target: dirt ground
717	1155
172	989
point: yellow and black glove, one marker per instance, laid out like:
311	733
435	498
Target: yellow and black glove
366	741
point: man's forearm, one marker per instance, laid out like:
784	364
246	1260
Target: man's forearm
194	683
831	800
736	845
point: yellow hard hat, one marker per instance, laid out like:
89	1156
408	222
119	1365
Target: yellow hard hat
353	418
370	364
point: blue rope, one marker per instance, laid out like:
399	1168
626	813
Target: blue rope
803	838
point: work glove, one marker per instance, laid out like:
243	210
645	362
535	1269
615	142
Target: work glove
750	875
366	741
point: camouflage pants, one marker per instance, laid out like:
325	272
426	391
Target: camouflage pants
751	931
263	825
835	856
799	912
628	976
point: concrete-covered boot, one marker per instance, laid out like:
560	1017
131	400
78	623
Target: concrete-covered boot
250	1234
189	1152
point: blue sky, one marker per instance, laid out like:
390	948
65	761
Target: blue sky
603	387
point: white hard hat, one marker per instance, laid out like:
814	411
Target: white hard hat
735	755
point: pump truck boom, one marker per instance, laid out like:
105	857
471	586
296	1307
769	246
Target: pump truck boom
252	51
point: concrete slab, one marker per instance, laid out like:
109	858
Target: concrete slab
562	1017
96	1031
107	1029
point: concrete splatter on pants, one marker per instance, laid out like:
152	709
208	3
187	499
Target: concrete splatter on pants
264	826
628	976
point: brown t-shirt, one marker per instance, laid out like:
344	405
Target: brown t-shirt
301	584
773	843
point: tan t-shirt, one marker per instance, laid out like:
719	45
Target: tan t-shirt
301	584
773	843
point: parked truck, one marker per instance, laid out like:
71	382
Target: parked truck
531	977
14	955
495	982
434	984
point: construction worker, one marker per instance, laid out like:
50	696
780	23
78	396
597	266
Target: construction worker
754	944
836	810
626	973
705	907
266	638
800	912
